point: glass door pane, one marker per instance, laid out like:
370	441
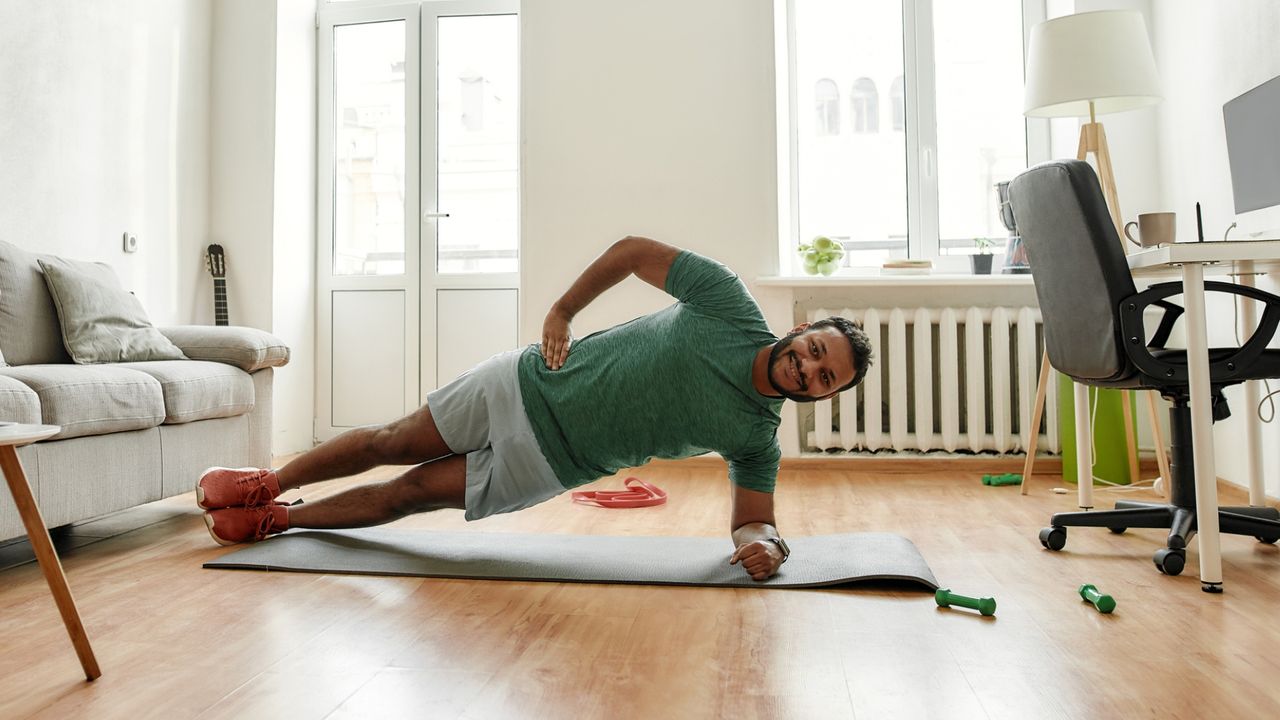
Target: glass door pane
477	221
369	148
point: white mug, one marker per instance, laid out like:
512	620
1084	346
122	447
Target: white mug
1153	229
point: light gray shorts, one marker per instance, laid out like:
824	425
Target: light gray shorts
481	415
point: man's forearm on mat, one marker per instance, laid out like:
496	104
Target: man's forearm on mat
753	531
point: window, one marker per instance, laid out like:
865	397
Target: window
827	99
853	188
925	188
866	106
982	136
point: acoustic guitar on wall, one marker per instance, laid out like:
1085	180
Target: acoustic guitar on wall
215	260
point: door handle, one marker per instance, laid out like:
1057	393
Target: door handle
429	215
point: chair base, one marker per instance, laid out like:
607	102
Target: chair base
1261	522
1179	514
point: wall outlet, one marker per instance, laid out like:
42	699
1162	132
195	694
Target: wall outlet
130	243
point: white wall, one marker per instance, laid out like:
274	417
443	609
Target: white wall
1209	53
293	259
104	129
262	187
653	119
242	158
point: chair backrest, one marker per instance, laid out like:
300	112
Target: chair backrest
1078	265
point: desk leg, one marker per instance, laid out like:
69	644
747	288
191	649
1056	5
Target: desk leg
38	535
1202	429
1084	447
1252	394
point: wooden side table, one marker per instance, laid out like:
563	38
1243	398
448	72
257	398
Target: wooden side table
11	436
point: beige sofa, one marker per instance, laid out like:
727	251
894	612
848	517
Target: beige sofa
132	432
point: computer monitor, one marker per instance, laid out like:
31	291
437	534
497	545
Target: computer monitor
1252	123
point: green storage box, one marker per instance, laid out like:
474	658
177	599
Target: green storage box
1108	432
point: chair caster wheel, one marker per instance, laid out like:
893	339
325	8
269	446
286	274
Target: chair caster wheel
1117	530
1170	562
1267	540
1053	538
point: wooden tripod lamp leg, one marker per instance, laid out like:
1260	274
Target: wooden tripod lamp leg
1131	439
38	534
1041	388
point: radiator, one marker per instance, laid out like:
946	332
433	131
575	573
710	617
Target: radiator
950	379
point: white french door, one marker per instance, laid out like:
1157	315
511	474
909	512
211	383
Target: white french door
418	226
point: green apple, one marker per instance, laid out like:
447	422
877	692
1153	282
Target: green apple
822	255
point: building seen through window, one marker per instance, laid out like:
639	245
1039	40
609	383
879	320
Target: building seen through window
866	106
827	101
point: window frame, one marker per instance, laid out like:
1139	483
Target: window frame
921	133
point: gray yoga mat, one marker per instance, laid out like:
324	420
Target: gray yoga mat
816	561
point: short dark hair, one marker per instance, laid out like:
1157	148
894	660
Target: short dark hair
858	341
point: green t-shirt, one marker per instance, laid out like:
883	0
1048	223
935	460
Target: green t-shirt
673	384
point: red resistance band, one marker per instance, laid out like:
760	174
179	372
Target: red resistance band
638	494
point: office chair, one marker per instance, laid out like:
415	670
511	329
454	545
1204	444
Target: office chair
1094	334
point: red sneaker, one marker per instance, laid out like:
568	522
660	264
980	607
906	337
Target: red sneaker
247	524
221	487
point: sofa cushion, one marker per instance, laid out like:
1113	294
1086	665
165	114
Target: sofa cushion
18	403
92	399
101	321
197	390
29	329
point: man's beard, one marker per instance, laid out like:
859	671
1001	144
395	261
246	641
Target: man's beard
776	356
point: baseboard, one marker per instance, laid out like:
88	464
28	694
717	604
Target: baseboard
904	463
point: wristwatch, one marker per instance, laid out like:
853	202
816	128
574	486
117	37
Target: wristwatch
782	545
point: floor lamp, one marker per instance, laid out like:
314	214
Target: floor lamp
1089	64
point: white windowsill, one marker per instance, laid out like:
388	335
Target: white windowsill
872	279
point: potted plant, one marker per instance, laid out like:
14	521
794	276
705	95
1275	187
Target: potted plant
982	259
822	255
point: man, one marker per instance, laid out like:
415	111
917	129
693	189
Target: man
523	426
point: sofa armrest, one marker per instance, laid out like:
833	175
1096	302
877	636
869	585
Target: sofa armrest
247	348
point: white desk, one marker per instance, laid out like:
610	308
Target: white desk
1195	258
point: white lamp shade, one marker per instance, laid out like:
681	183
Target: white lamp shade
1104	57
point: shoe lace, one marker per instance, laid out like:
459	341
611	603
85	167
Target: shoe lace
265	520
259	493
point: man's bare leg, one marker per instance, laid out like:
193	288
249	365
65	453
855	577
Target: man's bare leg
429	486
410	440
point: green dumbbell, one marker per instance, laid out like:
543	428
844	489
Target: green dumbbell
1104	603
1005	479
945	598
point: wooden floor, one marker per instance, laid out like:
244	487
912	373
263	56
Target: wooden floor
177	641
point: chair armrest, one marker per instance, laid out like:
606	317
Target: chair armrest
247	348
1172	311
1134	330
